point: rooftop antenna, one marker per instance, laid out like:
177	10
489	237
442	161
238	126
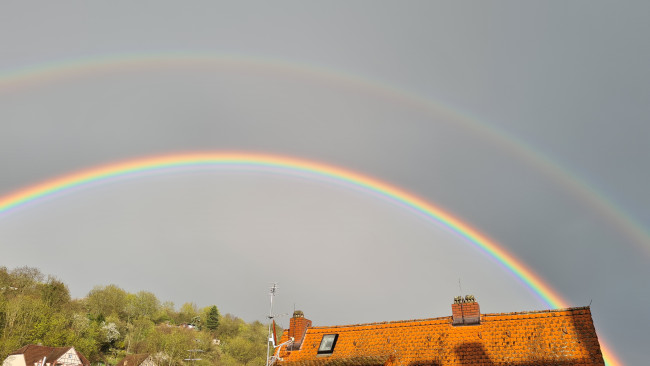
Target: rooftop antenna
270	338
192	357
462	311
193	352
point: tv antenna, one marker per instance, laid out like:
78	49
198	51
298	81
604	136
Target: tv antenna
192	356
271	338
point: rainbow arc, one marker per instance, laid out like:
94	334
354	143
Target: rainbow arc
290	165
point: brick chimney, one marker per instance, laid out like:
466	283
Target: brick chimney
298	328
465	311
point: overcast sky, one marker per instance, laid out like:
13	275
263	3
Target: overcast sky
529	121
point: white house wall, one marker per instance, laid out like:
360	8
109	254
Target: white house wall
69	358
14	360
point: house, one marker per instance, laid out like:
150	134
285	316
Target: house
35	355
467	337
143	359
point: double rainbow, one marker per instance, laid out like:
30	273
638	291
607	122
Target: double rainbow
294	166
65	70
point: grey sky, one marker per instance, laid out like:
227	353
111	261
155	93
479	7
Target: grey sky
403	92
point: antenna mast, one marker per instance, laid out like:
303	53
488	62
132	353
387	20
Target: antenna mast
192	356
462	311
274	288
270	359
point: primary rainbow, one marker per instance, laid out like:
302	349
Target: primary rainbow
294	165
39	74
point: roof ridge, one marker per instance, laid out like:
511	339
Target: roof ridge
541	311
449	316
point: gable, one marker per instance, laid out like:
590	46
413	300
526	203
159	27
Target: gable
69	358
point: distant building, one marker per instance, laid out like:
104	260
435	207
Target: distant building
143	359
34	355
467	337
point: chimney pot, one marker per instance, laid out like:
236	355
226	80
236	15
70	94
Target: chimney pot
465	311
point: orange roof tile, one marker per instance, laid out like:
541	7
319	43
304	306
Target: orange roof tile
558	337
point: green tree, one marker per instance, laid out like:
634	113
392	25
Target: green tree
87	336
212	321
57	330
243	350
138	332
144	304
55	293
187	312
107	300
166	313
111	322
229	327
26	278
23	319
170	344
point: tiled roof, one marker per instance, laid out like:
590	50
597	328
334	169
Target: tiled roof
557	337
34	353
133	360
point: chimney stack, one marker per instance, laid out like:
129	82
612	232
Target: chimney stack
465	311
298	328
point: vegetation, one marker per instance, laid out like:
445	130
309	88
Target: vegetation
110	323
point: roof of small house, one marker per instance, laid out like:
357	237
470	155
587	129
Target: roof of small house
558	337
34	353
133	360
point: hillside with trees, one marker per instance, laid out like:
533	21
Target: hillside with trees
110	323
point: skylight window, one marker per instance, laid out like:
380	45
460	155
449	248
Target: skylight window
327	343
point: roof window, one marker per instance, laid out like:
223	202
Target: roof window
327	343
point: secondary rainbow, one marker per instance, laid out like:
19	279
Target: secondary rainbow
293	165
39	74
